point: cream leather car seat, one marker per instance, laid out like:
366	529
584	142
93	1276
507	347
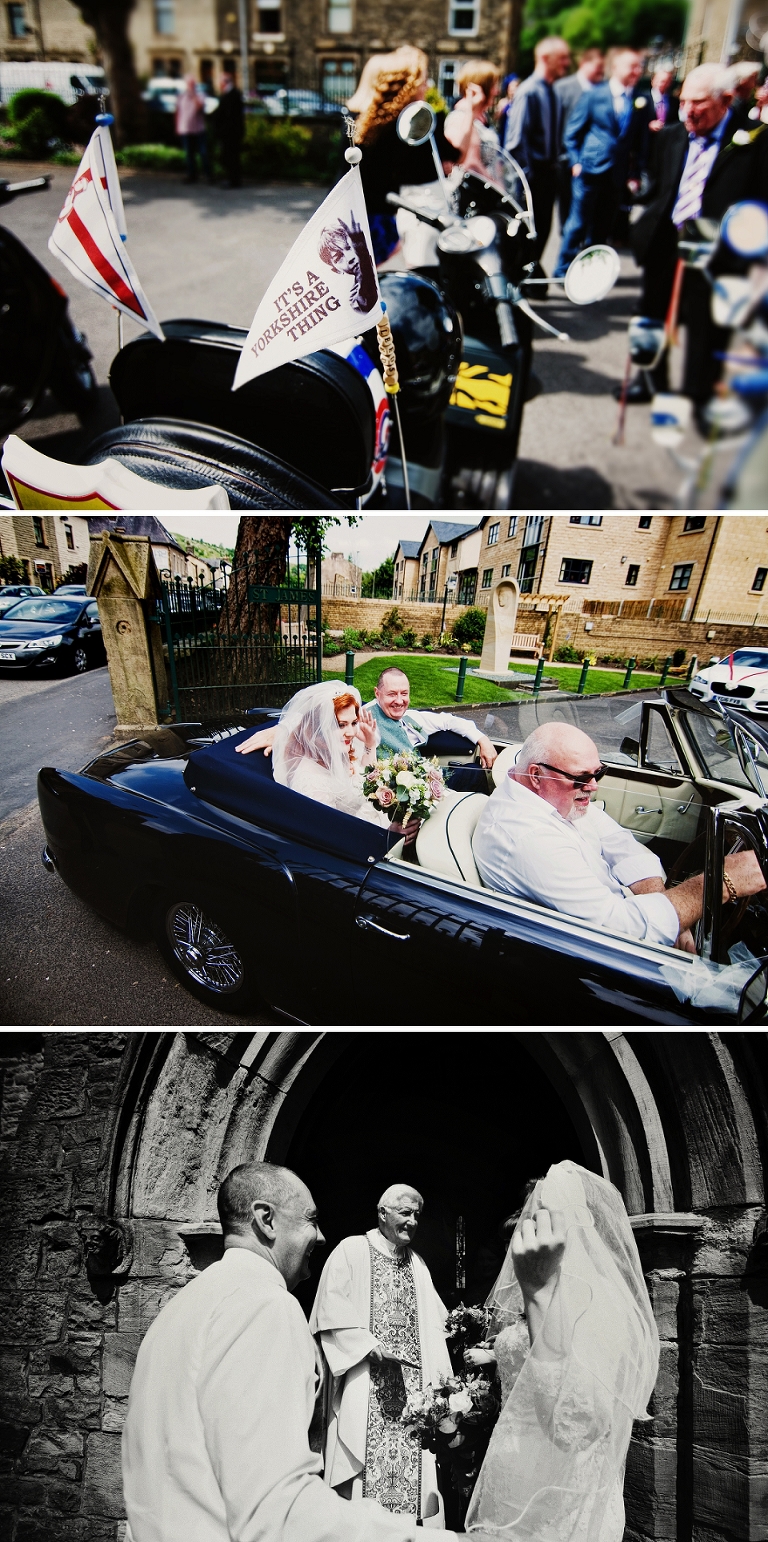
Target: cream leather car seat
444	842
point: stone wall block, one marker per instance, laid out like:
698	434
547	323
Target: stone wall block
31	1318
54	1451
724	1314
720	1404
86	1314
103	1484
115	1410
664	1291
720	1497
79	1410
665	1394
13	1439
159	1250
650	1489
139	1303
120	1351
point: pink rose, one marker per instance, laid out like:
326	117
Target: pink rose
385	796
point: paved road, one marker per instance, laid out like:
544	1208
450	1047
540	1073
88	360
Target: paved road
60	965
209	252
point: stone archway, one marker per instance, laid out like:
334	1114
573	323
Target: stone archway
676	1120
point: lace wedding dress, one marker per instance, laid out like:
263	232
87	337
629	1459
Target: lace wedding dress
554	1469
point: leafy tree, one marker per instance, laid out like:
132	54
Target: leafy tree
261	556
378	585
602	23
109	20
12	570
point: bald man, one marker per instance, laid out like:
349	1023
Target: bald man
380	1323
542	838
216	1442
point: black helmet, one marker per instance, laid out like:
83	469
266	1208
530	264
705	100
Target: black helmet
427	334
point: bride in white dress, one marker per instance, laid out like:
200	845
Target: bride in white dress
323	745
577	1350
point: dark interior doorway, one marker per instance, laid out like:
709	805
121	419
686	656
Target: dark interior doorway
466	1118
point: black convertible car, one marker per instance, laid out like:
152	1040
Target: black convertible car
254	892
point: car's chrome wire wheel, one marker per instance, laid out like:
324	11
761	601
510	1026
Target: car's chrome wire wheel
203	950
80	661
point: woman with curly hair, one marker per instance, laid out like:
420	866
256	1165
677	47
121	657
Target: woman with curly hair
388	163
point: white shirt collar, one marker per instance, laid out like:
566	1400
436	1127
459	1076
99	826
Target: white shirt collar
616	88
243	1258
383	1244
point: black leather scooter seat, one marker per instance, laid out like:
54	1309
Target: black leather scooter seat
187	455
316	413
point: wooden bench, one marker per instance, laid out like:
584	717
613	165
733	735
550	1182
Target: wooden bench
525	645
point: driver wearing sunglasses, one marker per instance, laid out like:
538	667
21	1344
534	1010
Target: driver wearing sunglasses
543	839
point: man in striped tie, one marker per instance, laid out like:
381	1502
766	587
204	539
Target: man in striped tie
698	170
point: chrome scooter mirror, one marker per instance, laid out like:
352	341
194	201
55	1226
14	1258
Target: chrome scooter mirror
744	228
592	275
416	124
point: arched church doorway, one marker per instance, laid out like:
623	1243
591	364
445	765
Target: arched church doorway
466	1118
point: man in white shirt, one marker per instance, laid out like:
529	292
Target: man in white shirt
541	839
215	1445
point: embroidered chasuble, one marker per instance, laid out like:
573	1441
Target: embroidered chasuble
392	1457
366	1296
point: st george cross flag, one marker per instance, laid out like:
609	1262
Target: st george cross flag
88	237
325	291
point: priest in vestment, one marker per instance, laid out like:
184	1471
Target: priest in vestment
381	1325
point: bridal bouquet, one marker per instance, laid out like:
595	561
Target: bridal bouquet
466	1326
454	1418
404	785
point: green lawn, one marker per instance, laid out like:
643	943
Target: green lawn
433	684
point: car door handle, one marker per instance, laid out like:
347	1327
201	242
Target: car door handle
640	809
372	926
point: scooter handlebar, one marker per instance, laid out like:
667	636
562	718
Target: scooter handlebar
9	190
429	219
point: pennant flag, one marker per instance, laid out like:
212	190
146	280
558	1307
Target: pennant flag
325	291
89	233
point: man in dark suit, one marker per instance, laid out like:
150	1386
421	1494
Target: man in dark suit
534	131
229	124
700	166
606	143
590	73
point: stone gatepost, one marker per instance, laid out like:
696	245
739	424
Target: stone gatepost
500	627
123	579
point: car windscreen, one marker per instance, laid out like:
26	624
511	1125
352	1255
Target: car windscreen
716	747
44	610
749	658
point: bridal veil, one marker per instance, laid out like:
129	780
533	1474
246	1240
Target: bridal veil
554	1468
308	731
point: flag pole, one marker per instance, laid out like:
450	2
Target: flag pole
105	120
353	157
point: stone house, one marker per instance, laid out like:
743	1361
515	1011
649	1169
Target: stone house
169	554
310	43
448	551
406	570
113	1146
48	545
341	577
713	564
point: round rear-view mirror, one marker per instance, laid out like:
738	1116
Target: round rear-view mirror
744	228
415	123
592	275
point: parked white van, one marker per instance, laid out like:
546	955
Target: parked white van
69	81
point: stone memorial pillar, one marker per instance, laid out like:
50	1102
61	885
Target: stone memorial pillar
500	626
123	579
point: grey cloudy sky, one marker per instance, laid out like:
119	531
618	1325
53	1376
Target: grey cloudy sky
370	542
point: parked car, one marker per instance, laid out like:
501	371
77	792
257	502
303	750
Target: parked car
299	104
71	589
162	94
742	678
10	594
253	891
52	634
69	81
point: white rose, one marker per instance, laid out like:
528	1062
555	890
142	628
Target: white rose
460	1402
405	779
640	101
742	137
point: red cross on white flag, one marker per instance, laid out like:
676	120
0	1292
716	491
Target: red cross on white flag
325	291
90	231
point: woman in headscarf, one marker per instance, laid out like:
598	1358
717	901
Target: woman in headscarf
324	742
578	1351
